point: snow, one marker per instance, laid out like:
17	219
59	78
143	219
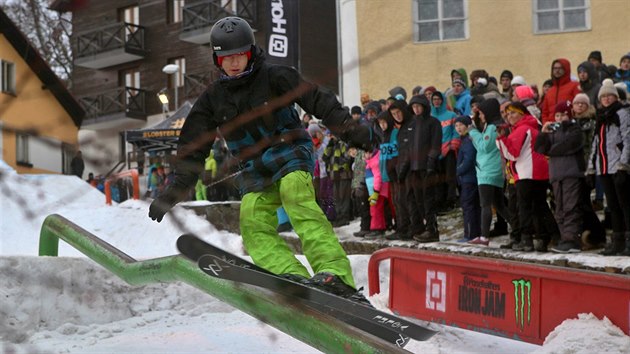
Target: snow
70	304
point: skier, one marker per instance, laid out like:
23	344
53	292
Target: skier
251	105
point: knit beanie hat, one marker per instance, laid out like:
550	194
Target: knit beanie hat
564	107
518	80
608	88
314	128
355	110
465	120
459	81
430	89
523	92
517	107
416	90
596	54
394	92
581	97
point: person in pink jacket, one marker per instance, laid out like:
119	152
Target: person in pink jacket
531	174
379	195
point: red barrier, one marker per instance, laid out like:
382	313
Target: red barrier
510	299
128	173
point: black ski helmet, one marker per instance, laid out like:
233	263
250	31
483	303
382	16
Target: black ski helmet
231	35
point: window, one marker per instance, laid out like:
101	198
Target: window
7	77
130	79
551	16
175	10
21	150
440	20
177	79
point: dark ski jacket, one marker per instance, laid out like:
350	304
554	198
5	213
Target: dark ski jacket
421	142
255	114
565	148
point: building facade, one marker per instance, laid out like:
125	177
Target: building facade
418	42
39	118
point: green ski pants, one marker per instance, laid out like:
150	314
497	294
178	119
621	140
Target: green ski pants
320	245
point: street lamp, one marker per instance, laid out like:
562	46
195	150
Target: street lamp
163	99
171	69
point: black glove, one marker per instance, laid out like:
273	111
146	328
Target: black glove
162	204
590	181
359	136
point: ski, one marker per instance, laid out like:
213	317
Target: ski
193	248
217	267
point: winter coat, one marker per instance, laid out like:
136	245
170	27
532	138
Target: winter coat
519	147
565	148
338	163
466	161
373	175
450	138
488	158
388	149
420	142
622	76
268	145
610	150
358	170
462	103
591	86
586	121
563	89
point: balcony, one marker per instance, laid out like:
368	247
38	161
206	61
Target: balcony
114	108
200	16
111	45
196	83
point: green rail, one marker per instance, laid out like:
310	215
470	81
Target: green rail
320	331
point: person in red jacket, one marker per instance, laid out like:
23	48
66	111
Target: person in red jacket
562	90
531	174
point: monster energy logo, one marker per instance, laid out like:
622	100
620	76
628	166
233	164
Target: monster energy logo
520	298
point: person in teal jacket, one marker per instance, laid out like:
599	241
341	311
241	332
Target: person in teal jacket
447	191
489	165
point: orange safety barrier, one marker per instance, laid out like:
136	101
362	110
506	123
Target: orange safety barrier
128	173
521	301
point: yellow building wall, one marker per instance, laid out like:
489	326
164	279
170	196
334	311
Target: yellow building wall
501	36
32	108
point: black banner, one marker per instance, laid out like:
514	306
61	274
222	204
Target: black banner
283	32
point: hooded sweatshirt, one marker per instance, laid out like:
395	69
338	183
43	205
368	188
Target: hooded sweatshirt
450	138
590	87
488	159
563	89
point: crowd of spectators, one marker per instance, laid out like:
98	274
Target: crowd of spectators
532	156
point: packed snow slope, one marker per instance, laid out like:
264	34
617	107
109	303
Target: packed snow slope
70	304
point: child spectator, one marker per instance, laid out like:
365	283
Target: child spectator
447	192
610	159
467	180
360	194
489	167
379	193
562	142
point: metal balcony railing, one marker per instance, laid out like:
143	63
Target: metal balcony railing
129	101
202	14
111	37
196	84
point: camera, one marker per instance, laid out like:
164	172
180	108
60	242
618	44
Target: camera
554	126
